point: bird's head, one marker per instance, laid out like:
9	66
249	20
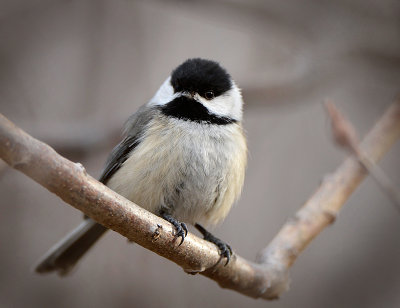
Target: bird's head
202	91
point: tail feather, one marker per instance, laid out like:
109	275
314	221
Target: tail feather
64	255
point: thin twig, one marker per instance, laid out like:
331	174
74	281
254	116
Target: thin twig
345	136
322	208
267	279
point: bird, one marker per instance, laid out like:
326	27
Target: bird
182	157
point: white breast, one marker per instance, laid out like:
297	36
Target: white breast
194	169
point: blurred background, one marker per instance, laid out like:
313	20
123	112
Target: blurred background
72	71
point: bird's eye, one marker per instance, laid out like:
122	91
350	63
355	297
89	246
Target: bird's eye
209	95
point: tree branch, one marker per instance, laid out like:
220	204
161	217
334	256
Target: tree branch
345	136
267	279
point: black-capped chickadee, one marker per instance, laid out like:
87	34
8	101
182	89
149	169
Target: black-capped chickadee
183	157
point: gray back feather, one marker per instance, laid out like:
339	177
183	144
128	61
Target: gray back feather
134	129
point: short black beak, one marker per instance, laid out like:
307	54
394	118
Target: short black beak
188	94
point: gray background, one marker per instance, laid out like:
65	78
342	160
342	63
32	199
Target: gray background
72	71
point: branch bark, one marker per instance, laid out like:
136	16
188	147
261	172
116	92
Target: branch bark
267	278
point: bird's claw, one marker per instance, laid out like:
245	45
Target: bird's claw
181	231
225	250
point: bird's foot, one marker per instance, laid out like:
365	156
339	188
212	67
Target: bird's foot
225	251
181	228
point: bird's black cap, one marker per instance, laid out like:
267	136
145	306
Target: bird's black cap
200	75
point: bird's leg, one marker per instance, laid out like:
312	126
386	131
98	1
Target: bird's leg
224	249
181	228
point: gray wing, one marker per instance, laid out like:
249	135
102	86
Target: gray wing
65	254
133	132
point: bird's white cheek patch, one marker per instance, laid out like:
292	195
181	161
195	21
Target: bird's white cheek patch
219	105
164	95
227	105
